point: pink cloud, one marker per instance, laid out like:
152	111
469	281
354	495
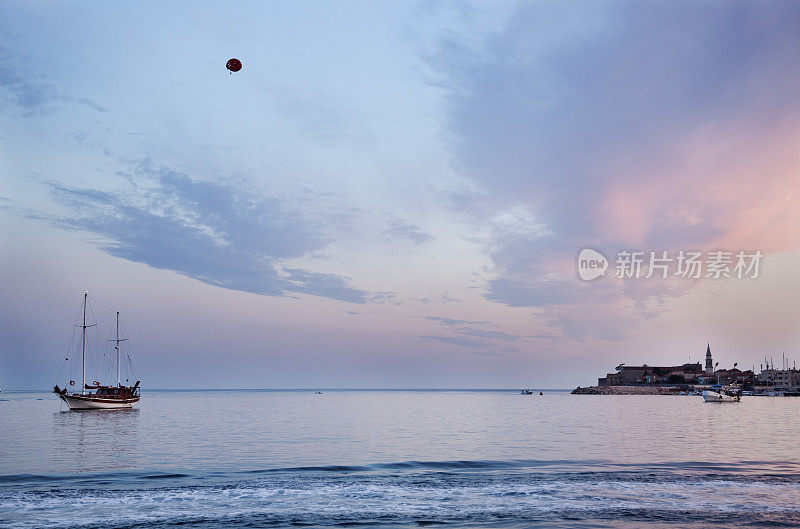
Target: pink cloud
725	187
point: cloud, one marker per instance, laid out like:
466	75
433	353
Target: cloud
383	296
222	235
451	322
467	333
399	230
444	297
87	102
455	340
324	285
517	293
492	335
26	94
658	126
34	95
447	298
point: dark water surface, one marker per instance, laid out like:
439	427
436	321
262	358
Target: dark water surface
239	458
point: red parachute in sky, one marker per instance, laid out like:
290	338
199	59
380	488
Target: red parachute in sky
234	65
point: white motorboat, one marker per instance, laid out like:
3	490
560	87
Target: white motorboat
732	393
104	397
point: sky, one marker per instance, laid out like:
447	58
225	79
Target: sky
395	194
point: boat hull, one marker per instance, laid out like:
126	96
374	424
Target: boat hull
90	402
713	396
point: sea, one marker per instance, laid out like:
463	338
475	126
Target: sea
401	458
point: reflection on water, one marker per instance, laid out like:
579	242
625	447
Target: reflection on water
95	440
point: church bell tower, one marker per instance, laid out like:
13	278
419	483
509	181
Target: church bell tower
709	361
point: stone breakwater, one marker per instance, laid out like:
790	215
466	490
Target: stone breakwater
627	390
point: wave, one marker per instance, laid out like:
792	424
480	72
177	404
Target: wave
410	493
688	470
383	501
741	467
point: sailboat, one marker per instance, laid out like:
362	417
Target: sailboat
104	397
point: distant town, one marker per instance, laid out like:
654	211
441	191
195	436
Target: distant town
693	376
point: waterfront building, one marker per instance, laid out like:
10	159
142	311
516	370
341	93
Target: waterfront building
644	374
693	373
780	378
731	376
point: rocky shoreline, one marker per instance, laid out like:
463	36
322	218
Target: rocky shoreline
630	390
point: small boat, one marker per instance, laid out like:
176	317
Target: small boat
526	392
732	393
104	397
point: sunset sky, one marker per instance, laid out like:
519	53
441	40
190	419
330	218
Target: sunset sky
394	194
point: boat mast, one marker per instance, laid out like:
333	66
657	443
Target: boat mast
117	348
118	340
83	346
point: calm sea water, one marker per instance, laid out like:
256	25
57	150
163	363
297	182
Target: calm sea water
219	459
